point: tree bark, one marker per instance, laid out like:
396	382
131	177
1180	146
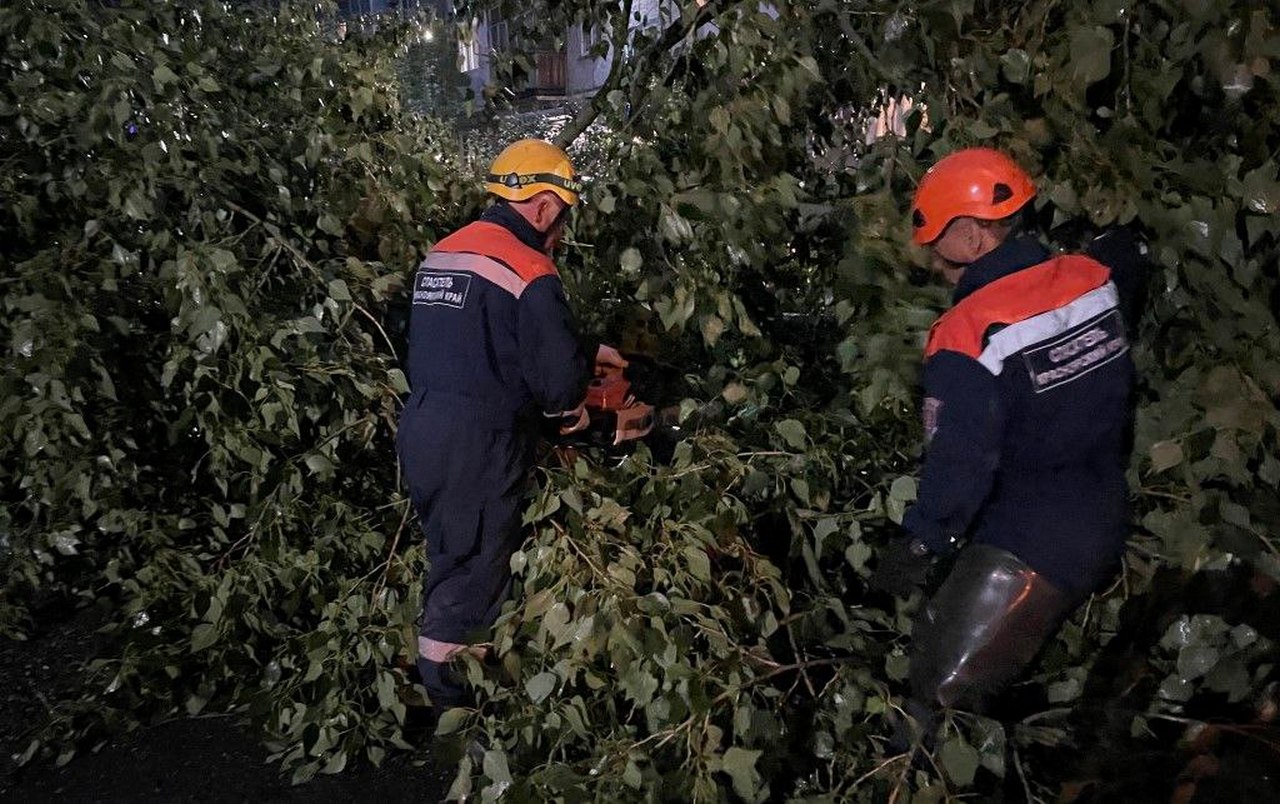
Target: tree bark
671	36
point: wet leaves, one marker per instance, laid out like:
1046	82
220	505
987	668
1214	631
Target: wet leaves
204	383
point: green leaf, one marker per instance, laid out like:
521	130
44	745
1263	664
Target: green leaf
331	226
1091	54
740	764
712	328
983	130
336	764
452	720
386	690
541	686
699	564
556	621
631	776
163	76
338	291
1235	514
960	761
745	325
734	393
800	488
136	206
543	507
782	109
903	489
1064	691
495	767
631	261
319	465
196	704
222	260
1261	191
901	492
460	789
1165	455
1243	635
307	325
398	381
673	227
825	527
202	637
792	432
25	757
1195	661
857	554
823	745
572	498
1015	64
1176	689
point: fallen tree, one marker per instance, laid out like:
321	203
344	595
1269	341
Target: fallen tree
210	215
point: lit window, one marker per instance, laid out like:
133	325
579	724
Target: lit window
469	46
499	37
590	36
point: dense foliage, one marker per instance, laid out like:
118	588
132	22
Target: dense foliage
209	215
206	214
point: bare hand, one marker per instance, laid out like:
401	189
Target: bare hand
608	357
575	420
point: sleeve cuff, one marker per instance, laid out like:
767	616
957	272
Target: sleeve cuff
928	534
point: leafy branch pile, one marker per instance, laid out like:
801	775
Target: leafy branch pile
210	217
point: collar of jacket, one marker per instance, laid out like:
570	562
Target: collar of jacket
506	217
1009	257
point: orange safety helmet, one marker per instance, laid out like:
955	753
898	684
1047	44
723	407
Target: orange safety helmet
973	183
528	167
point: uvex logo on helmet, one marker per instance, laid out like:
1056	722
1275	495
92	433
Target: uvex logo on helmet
528	167
973	183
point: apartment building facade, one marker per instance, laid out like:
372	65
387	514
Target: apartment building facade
576	70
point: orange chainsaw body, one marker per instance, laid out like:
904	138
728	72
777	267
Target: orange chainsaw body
611	406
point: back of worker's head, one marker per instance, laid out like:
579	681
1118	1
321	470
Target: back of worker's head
537	179
967	203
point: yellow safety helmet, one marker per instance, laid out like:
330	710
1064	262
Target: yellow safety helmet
528	167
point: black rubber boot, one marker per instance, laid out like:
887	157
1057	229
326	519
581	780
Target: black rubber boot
982	628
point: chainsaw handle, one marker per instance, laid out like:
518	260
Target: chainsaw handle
608	371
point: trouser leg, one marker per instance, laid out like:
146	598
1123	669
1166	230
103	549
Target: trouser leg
464	484
444	689
468	580
982	628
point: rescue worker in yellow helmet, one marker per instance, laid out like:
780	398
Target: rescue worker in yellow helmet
494	354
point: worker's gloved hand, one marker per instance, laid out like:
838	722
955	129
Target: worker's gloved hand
608	357
903	567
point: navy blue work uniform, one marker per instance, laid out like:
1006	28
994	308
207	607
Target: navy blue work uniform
493	350
1028	382
1027	408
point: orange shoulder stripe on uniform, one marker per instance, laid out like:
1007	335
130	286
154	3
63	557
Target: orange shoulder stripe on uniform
1016	297
496	242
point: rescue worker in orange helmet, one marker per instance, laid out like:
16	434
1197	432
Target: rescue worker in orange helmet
1027	417
494	355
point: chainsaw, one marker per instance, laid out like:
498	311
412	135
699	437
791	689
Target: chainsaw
617	418
615	413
